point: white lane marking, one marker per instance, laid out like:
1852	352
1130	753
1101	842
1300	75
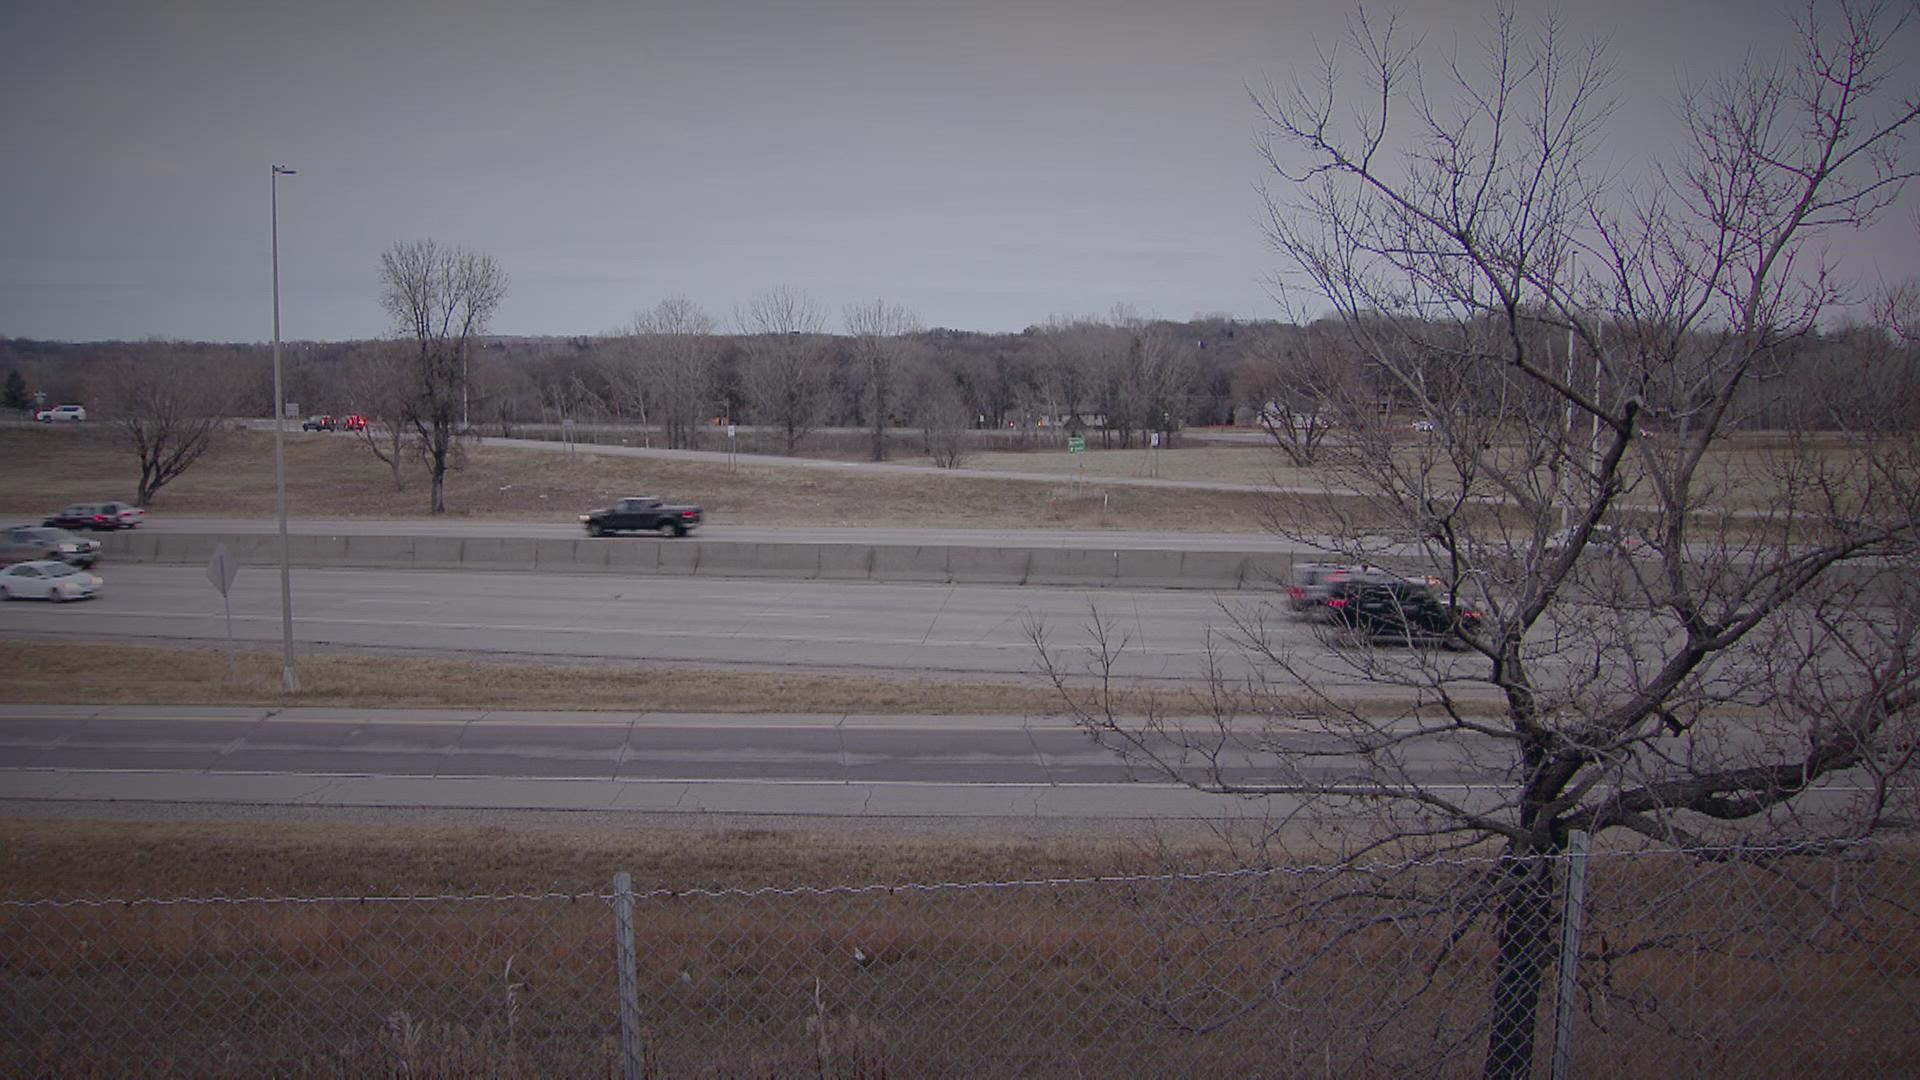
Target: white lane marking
386	600
309	622
744	781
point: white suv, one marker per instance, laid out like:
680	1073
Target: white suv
62	414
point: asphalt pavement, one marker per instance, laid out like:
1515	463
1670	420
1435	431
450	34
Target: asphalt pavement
656	763
864	627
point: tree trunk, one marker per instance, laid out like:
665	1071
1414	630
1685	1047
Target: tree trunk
1525	953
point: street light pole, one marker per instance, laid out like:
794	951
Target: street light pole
289	681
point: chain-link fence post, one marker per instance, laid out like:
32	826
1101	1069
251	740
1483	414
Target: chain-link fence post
1572	907
631	1065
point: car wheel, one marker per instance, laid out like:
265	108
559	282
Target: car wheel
668	528
594	529
57	596
5	593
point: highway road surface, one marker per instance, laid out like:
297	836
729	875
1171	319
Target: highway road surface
930	629
983	766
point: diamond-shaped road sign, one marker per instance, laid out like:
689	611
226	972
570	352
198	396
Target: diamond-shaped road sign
222	568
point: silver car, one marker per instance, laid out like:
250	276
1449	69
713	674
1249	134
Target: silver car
24	542
47	580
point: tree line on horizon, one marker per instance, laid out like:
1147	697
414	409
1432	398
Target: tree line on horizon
1119	377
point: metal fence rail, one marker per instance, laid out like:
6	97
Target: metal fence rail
1777	962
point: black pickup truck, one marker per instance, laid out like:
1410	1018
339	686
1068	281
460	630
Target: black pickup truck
642	514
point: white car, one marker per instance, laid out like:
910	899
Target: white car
62	414
1605	539
44	579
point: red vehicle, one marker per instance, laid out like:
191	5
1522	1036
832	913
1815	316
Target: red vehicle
354	422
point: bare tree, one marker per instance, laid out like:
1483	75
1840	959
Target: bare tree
677	351
170	409
786	373
943	412
377	383
439	299
877	330
1301	387
1753	671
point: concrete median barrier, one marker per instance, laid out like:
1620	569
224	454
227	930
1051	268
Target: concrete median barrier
989	566
378	551
902	562
843	562
933	563
436	553
1074	566
134	546
498	553
677	556
623	557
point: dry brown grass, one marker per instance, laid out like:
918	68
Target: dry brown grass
47	672
89	858
333	475
1067	979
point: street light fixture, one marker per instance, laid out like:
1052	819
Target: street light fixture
289	681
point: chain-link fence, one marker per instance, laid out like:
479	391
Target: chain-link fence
1787	962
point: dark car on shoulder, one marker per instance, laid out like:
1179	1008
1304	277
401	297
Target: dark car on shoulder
97	516
1398	612
642	513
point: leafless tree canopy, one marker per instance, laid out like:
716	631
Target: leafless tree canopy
170	409
439	300
376	381
786	375
878	331
1584	343
677	352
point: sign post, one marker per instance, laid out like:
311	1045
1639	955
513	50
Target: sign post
731	445
1078	445
221	570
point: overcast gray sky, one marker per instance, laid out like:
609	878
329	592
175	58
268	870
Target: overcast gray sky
988	164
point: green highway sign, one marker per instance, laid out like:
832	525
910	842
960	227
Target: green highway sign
1076	444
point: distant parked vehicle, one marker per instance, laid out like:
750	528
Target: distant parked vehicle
62	414
642	514
1603	539
98	516
24	543
44	579
354	422
317	423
